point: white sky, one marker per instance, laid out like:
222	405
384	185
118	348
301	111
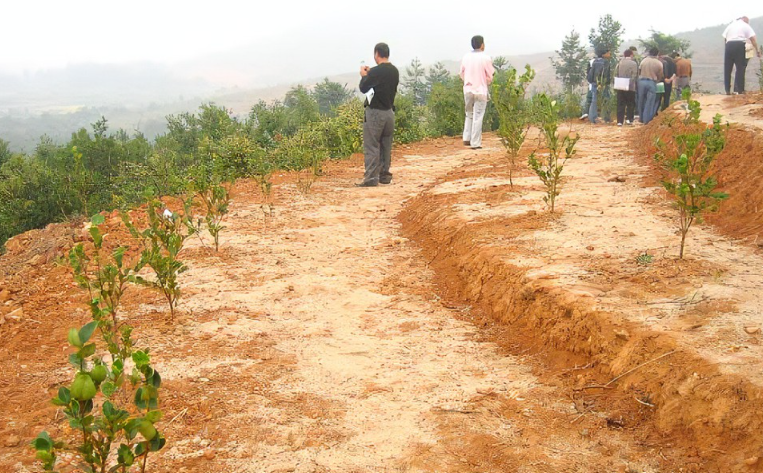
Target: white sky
52	33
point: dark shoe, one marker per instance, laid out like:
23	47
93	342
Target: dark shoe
367	184
477	147
385	182
467	143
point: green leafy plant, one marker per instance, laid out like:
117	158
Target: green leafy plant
644	259
112	438
687	160
162	242
216	200
550	166
513	112
113	401
105	277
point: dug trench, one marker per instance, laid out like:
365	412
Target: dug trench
655	347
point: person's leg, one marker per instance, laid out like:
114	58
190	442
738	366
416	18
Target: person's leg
650	102
587	106
740	62
593	110
728	65
641	99
385	177
657	103
606	103
667	95
620	106
630	104
480	105
372	132
468	123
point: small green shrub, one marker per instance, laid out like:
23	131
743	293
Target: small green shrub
446	108
550	166
409	120
513	112
114	434
105	277
687	161
162	242
216	200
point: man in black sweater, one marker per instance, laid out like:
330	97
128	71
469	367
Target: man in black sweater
379	122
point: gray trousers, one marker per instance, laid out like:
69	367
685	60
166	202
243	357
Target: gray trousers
378	127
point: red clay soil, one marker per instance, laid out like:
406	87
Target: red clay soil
700	420
738	168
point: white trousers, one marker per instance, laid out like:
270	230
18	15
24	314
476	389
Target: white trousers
475	113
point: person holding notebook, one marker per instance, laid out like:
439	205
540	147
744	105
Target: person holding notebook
379	84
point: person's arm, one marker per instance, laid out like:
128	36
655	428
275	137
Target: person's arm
369	79
463	70
754	42
489	70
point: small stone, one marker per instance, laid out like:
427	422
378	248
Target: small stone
5	295
291	288
752	461
752	330
17	314
12	441
209	454
617	179
622	334
584	433
532	213
589	248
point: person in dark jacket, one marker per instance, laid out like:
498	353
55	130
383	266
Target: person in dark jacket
669	71
598	78
380	86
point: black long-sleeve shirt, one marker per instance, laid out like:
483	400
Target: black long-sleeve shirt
384	79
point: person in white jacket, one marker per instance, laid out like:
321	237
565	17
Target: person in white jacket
477	73
734	37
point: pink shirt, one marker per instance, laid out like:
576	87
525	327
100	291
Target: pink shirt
477	72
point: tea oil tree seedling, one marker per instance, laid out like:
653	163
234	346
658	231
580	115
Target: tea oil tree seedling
105	277
162	242
194	224
111	436
687	161
513	114
216	200
549	167
112	403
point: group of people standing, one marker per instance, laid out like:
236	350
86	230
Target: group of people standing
643	87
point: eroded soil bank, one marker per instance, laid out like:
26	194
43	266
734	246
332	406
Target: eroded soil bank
668	350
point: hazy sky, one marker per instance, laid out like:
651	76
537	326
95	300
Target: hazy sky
51	33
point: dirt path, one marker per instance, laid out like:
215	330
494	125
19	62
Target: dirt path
750	114
353	363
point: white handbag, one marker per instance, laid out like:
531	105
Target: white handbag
622	83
